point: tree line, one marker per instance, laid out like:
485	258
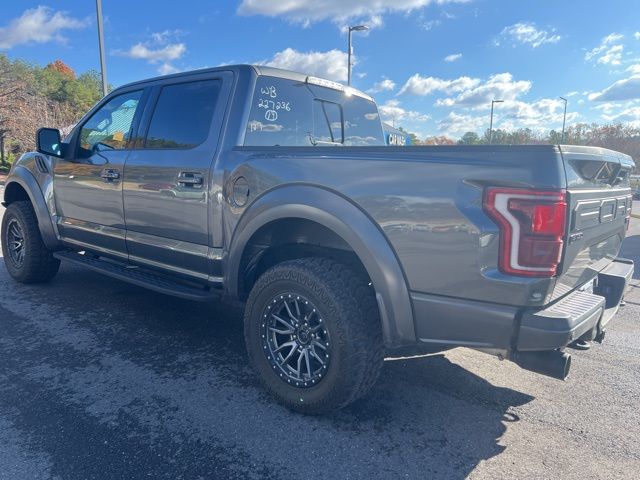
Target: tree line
32	96
621	137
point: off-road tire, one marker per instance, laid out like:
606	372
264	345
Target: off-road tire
38	265
347	304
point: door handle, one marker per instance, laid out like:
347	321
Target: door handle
110	174
190	179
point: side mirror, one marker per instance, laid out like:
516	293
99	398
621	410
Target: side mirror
48	142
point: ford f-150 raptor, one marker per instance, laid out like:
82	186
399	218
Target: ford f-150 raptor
276	188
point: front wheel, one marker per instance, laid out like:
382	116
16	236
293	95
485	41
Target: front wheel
313	334
25	255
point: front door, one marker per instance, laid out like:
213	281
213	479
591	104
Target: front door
167	182
88	182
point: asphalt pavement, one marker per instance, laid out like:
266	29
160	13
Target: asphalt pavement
100	379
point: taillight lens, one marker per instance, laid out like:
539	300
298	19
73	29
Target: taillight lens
532	227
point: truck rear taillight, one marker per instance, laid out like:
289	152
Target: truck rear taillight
532	227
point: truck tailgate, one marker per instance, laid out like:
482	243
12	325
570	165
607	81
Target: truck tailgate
599	203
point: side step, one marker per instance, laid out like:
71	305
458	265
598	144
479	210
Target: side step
141	277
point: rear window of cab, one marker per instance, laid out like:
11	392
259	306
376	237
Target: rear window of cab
286	112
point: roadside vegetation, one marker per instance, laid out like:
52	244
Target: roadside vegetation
32	96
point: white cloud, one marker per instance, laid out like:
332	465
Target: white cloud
501	86
453	57
634	69
529	34
629	115
166	36
383	85
456	124
539	115
339	11
419	85
392	112
609	52
38	25
173	51
622	90
167	68
637	35
331	64
158	50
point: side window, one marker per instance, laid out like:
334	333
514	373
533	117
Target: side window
362	126
110	127
182	115
281	114
327	122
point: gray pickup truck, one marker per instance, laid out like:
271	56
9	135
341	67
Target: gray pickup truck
276	188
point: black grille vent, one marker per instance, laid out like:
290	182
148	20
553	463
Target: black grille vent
42	164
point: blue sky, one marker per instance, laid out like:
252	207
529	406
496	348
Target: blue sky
432	65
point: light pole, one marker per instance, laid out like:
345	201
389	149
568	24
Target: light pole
564	119
491	121
103	68
357	28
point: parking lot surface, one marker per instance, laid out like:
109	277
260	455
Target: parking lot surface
101	379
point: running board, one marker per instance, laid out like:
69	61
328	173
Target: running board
141	277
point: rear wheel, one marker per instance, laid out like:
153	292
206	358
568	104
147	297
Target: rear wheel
26	257
313	334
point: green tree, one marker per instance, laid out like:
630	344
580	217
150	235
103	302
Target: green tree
470	138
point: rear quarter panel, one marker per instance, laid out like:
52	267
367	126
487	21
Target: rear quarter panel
427	201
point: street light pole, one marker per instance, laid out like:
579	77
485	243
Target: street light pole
491	121
357	28
564	119
103	68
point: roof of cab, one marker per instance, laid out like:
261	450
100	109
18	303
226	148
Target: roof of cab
241	69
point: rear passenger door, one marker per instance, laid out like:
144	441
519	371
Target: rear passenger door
168	177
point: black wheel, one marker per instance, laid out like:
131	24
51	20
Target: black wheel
25	255
313	334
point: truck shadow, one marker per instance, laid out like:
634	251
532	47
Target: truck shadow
166	380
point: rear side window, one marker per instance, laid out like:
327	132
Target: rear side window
327	123
182	116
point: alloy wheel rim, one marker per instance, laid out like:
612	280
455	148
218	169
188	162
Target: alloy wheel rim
15	242
295	340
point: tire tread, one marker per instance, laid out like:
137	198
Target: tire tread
40	265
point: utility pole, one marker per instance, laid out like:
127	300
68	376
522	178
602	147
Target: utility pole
357	28
103	67
564	119
491	121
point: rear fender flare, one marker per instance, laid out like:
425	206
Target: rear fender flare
355	227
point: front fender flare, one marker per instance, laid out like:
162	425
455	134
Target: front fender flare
355	227
27	181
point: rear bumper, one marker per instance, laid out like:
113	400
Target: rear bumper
577	315
454	322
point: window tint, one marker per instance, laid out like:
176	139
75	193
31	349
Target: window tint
291	113
327	122
182	116
281	114
362	126
110	126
